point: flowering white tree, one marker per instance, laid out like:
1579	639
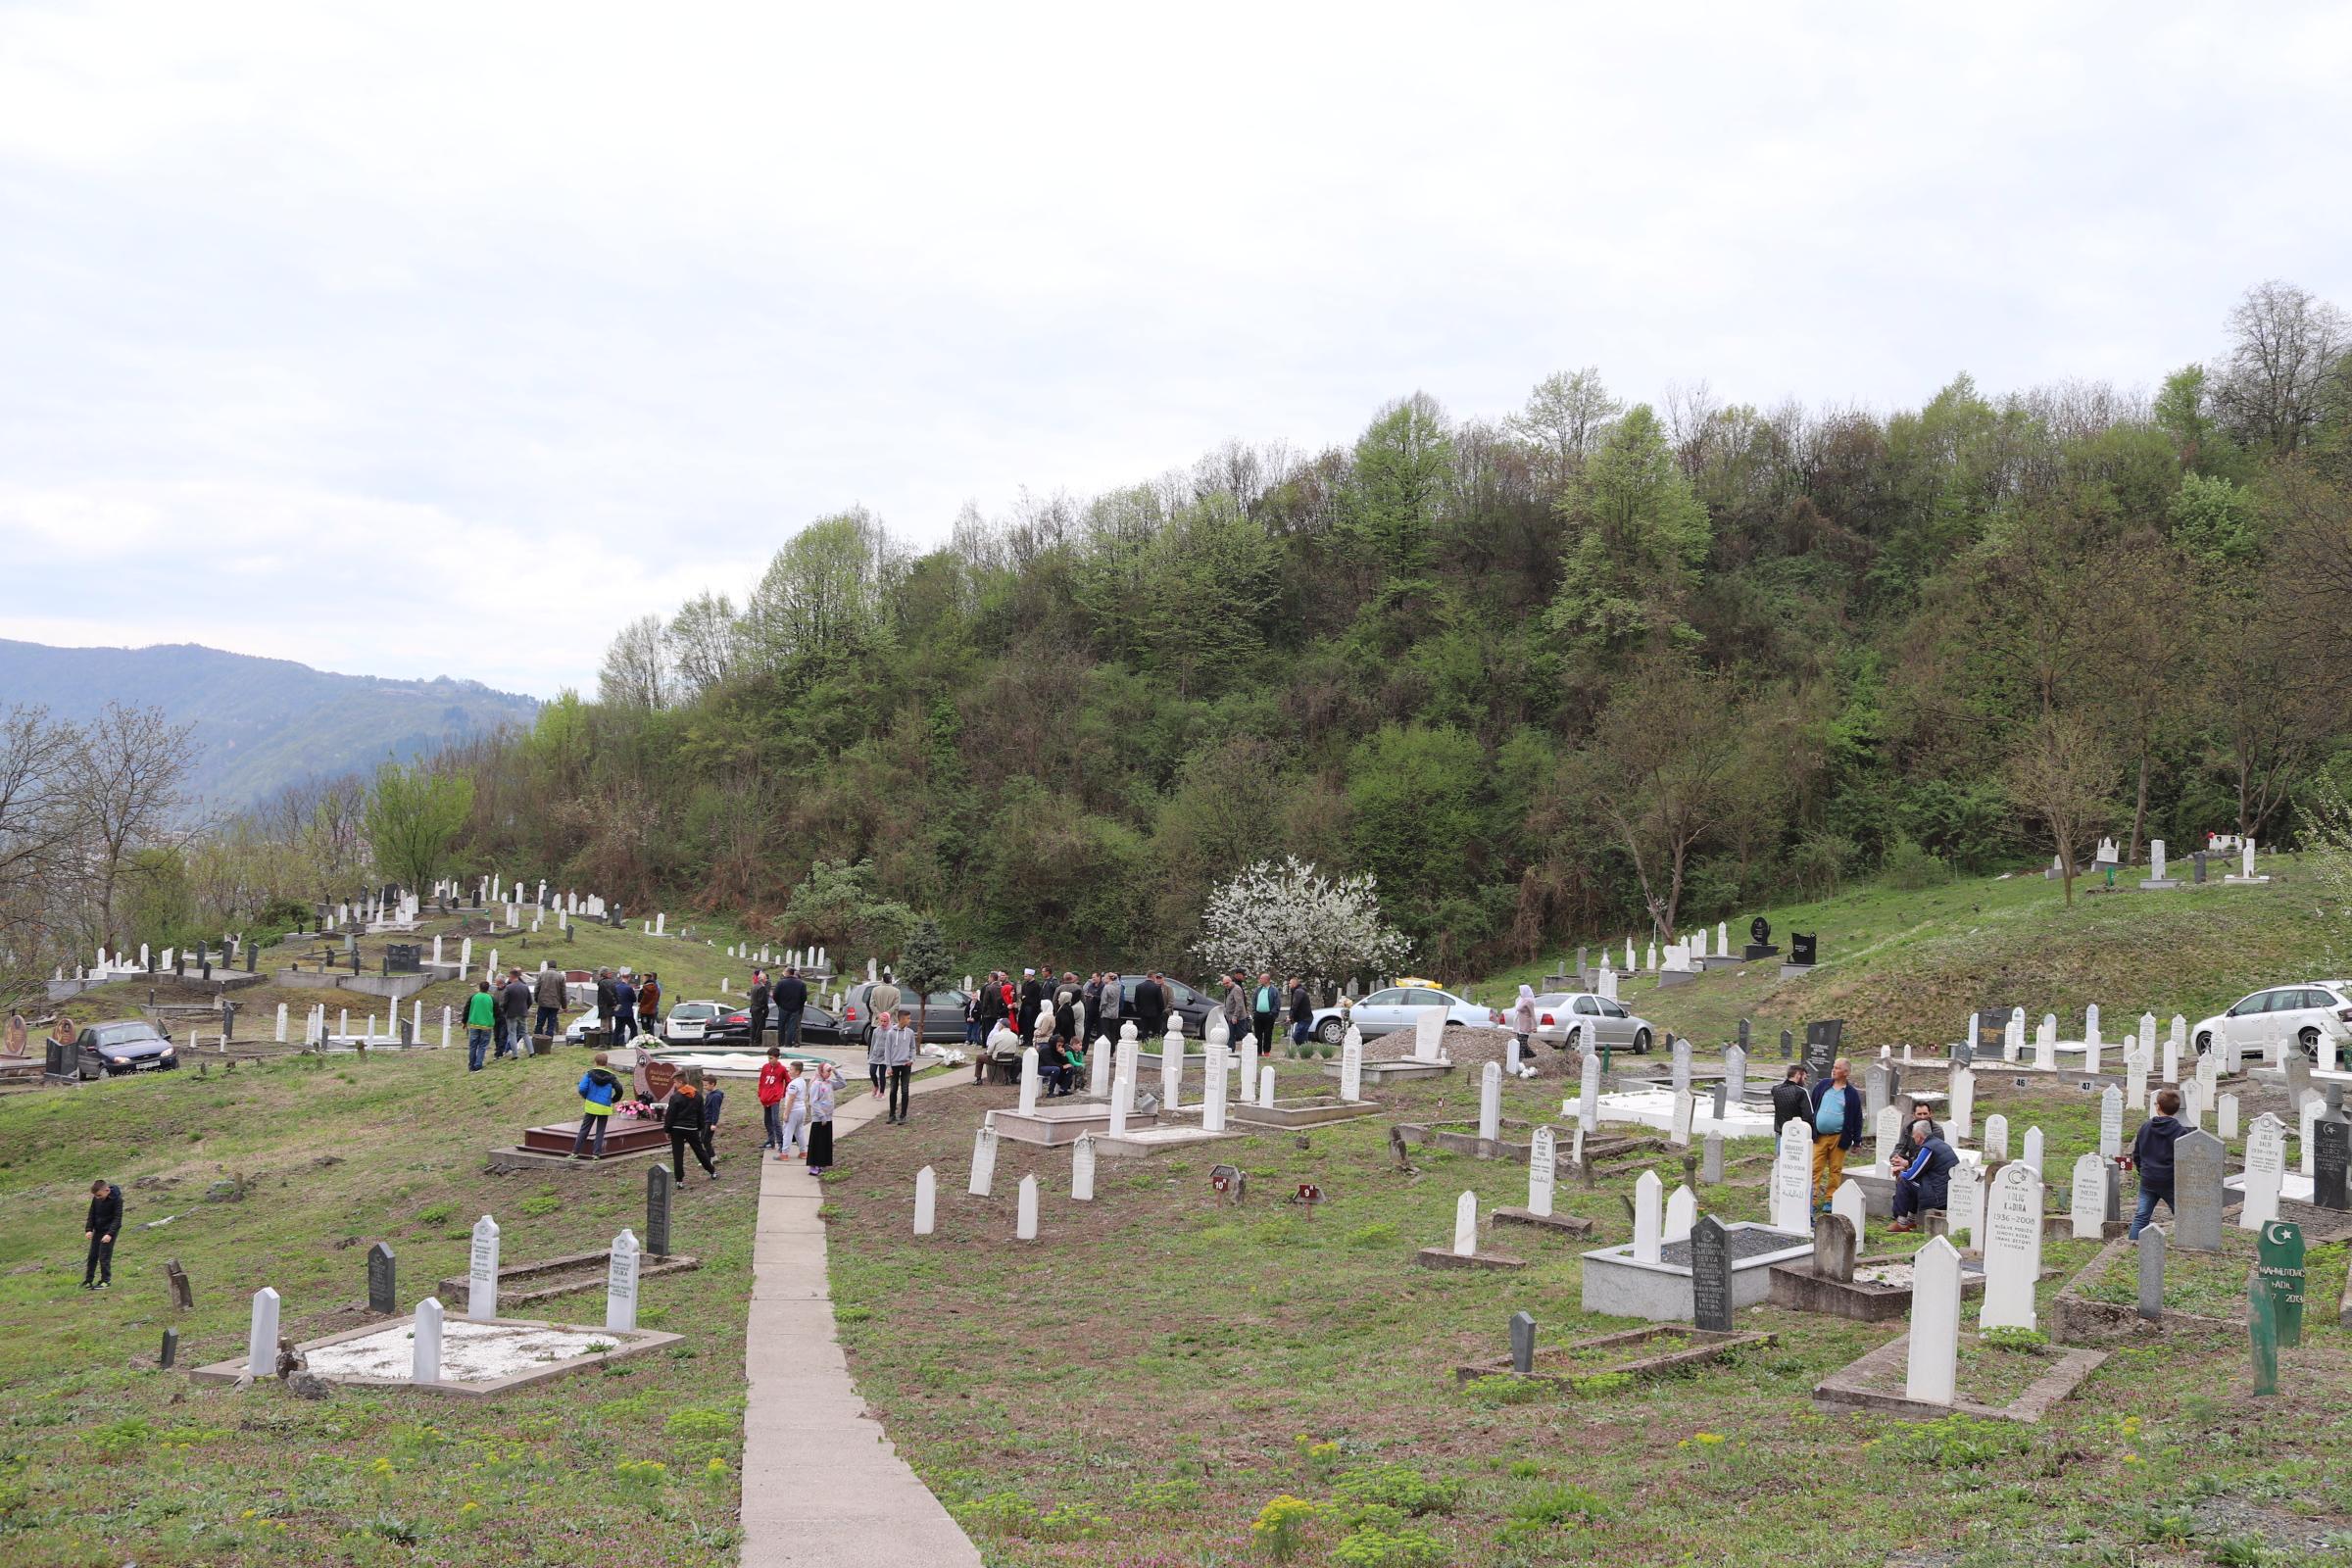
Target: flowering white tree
1291	919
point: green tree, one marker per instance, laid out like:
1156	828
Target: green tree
924	965
1416	818
1637	535
1401	466
414	815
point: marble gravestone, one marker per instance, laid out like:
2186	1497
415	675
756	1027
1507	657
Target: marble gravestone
482	1271
2151	1273
2197	1194
1932	1365
659	1186
1710	1277
383	1295
2012	1248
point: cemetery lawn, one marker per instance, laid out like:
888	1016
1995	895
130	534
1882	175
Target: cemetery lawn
104	1460
1908	965
2214	1284
1159	1367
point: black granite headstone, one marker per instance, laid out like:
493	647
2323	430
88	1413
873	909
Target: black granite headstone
383	1290
183	1296
1822	1037
1710	1276
1802	949
171	1350
1744	1034
1523	1342
2199	857
1787	1044
659	1185
2332	1161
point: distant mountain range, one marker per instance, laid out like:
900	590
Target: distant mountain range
260	724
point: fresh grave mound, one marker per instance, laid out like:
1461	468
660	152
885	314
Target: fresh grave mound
470	1351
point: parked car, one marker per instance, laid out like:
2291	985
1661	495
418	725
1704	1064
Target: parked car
819	1026
690	1020
1193	1006
2306	1012
1397	1007
939	1017
129	1045
1569	1019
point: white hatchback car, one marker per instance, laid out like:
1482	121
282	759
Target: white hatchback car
2305	1012
690	1020
1566	1019
1398	1008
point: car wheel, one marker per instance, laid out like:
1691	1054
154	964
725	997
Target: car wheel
1574	1040
1641	1041
2308	1040
1331	1031
2204	1041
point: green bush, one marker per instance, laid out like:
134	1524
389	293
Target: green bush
1556	1504
1380	1549
118	1440
1401	1487
1503	1388
1172	1496
695	1424
1912	868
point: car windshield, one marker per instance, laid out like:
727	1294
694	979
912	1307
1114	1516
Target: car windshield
1552	1000
694	1009
1382	999
944	999
126	1033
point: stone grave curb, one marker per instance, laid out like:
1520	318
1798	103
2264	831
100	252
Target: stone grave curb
651	1265
503	1162
1843	1389
1448	1257
628	1343
1386	1067
1707	1345
2075	1319
1564	1224
1796	1287
1310	1112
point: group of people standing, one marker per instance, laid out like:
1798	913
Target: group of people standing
626	1009
798	1101
788	997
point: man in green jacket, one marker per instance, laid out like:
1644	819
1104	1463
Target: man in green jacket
481	1016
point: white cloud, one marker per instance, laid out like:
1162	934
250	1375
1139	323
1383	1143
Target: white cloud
630	295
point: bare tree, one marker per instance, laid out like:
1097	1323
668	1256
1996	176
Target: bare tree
700	643
126	787
36	836
2285	343
1565	419
1659	771
636	672
2062	774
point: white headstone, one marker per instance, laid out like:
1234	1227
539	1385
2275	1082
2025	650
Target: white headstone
1735	1076
1215	1089
1122	1086
444	1028
481	1272
1683	1113
1680	1070
1682	1212
2266	1172
2192	1104
1587	1103
1966	1214
1265	1081
1649	1226
1889	1133
2224	1116
2012	1248
1649	957
1082	1169
1723	939
1930	1373
1028	1080
1024	1226
984	1161
2111	1122
260	1338
1792	1180
281	1023
1848	1200
424	1353
926	1202
1097	1067
1542	1167
2307	1130
1960	1120
1465	1225
2031	1153
1996	1137
1428	1034
2135	1081
2045	1044
1490	1102
1352	1067
620	1282
1171	1072
2089	1198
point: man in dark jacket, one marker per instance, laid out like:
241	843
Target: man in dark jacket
513	1013
1790	1102
1150	1007
1922	1171
605	999
549	989
1033	998
1303	1011
682	1118
624	1010
1837	1128
100	1227
2153	1157
759	1006
792	999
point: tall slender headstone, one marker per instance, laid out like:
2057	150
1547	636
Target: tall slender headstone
2012	1248
1490	1103
1587	1103
2310	1107
1171	1073
1522	1344
481	1272
1966	1214
1960	1120
620	1282
1082	1169
1887	1133
2089	1207
1734	1073
1682	1067
984	1160
1710	1169
261	1335
2225	1118
1465	1225
926	1202
1543	1167
1930	1367
1122	1086
1428	1034
1028	1080
2266	1172
2197	1192
424	1354
1024	1225
1682	1114
1792	1181
1216	1087
2279	1266
1265	1079
2031	1154
1649	1224
659	1188
2332	1161
1352	1067
1996	1137
2137	1066
1097	1067
1710	1277
2151	1274
2111	1122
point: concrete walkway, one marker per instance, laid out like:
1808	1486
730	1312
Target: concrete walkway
822	1485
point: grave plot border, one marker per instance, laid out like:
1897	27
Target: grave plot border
1705	1346
628	1343
1843	1389
1795	1286
1448	1257
1397	1067
1312	1110
1563	1224
2075	1319
590	1266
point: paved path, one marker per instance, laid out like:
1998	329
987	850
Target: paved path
822	1485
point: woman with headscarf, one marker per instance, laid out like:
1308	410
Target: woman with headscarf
820	1120
1523	1029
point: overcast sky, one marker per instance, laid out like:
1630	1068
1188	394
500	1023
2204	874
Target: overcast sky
443	339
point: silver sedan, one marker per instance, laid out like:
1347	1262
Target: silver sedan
1573	1019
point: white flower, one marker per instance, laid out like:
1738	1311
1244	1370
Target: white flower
1291	919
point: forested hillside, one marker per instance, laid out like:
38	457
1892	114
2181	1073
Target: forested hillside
1585	667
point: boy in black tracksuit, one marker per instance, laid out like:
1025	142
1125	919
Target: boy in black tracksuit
102	1225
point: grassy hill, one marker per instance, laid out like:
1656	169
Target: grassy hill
1907	966
261	722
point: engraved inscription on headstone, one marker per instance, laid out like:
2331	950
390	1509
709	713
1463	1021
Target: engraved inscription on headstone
1710	1276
